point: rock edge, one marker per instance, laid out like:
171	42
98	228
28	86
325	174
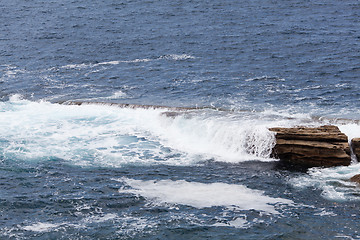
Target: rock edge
324	146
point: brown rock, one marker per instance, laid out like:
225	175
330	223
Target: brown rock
355	178
312	147
355	145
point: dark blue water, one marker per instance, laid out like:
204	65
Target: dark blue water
105	172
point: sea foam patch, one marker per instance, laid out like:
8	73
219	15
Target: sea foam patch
203	195
334	182
176	57
41	227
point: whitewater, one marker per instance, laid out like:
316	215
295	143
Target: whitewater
105	136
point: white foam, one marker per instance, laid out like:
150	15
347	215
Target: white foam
112	136
88	65
41	227
139	60
237	223
219	137
343	236
117	95
202	195
350	130
17	98
264	78
98	219
176	57
325	213
76	66
10	71
333	182
131	225
109	63
83	223
84	135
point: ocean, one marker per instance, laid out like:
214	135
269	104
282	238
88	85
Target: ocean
172	139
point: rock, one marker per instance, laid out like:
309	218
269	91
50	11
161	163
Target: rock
171	114
355	145
355	178
323	146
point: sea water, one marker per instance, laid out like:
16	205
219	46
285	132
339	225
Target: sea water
189	157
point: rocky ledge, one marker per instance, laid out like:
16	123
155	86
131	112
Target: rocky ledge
355	145
355	178
323	146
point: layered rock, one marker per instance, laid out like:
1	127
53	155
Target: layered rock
355	145
323	146
355	178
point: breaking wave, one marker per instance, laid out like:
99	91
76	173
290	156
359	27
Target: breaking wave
120	134
113	136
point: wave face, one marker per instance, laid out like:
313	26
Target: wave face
103	135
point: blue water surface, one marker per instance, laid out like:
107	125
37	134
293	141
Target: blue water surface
236	54
291	61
